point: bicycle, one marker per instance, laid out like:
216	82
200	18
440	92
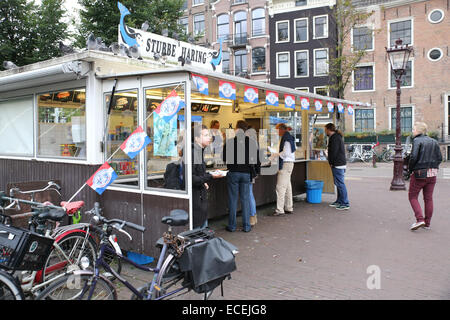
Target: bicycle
170	276
67	244
9	287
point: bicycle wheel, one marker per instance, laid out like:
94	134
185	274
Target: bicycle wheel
77	287
75	246
171	280
9	288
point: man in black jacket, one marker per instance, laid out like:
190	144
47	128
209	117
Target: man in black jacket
338	163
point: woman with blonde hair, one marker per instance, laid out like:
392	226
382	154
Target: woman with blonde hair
423	165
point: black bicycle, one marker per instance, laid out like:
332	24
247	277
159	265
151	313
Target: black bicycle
175	273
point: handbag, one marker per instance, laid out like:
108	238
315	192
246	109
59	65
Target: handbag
420	174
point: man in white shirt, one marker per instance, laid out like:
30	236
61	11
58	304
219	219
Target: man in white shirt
286	156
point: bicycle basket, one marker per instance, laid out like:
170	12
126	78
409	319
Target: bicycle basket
22	249
208	263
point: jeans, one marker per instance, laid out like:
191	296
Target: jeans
427	185
252	202
342	197
238	184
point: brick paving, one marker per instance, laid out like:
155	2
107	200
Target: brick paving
321	253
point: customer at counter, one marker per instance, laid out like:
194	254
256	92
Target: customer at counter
241	156
286	160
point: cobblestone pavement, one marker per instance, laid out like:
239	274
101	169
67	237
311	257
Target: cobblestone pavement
321	253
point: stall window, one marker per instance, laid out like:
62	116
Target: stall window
16	127
62	124
164	165
293	121
122	121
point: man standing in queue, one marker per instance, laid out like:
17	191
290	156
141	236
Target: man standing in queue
338	163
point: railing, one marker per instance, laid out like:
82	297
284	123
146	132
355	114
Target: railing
240	39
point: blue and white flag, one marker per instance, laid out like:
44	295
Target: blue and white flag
289	101
227	90
250	94
201	83
272	98
102	178
170	106
330	106
137	141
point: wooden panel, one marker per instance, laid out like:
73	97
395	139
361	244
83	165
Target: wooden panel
320	170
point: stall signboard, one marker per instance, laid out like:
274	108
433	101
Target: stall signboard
289	101
330	106
340	107
304	103
272	98
227	90
318	105
251	95
201	83
151	44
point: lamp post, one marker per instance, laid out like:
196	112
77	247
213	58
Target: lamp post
398	58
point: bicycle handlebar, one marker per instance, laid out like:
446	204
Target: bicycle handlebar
96	211
3	197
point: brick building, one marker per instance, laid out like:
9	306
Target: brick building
425	96
243	27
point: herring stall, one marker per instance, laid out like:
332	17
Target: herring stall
57	122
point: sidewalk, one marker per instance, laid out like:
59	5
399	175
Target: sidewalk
321	253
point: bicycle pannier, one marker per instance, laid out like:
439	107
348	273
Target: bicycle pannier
208	263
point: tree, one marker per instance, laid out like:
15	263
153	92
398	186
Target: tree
101	17
16	31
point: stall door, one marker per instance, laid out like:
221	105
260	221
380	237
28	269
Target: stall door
321	170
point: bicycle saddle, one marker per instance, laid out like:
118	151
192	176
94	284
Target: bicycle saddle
177	217
72	207
52	214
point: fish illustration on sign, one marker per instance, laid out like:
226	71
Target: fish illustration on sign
217	56
128	36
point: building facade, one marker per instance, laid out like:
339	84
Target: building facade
425	88
242	25
302	40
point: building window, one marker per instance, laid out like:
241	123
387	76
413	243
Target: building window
401	30
164	154
240	27
407	78
196	2
184	7
303	89
363	78
323	91
16	123
301	30
226	62
223	26
436	16
362	39
282	31
283	65
258	60
240	63
62	124
199	24
364	120
299	3
301	64
320	62
406	119
239	1
435	54
258	22
320	27
183	22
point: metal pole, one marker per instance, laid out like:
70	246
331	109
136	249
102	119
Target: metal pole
397	182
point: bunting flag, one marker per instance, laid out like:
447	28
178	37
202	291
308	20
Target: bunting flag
201	83
272	98
305	103
318	104
170	106
289	101
137	141
350	109
330	106
102	178
340	107
227	90
250	94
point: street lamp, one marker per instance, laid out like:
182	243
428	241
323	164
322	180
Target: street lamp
398	58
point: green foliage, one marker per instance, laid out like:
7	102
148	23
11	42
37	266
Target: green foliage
102	17
30	33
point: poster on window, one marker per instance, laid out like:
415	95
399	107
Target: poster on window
319	141
165	136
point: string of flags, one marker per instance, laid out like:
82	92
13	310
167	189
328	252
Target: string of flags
227	90
135	143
